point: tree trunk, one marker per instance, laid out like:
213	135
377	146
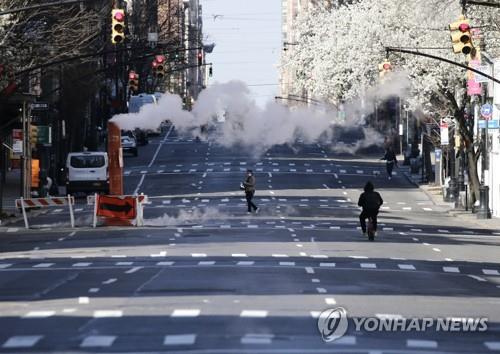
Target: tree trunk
473	175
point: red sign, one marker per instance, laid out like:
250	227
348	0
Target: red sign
116	207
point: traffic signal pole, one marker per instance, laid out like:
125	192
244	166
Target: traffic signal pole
463	66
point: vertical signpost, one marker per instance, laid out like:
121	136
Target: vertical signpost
115	160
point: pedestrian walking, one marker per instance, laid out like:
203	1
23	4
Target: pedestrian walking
249	187
390	161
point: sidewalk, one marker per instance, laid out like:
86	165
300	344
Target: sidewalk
435	193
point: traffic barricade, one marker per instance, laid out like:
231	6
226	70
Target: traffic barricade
126	208
25	204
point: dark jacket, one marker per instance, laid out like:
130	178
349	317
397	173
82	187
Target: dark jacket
390	156
249	184
370	201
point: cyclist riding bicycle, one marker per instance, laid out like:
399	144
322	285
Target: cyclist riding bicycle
371	202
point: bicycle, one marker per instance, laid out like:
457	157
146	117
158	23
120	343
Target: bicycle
370	229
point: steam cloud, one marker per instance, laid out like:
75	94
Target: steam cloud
255	128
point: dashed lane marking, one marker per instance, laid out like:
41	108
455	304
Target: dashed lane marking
109	281
186	313
419	343
492	345
245	263
179	339
330	301
251	338
133	270
490	272
165	264
280	256
121	264
206	263
451	269
198	255
321	290
309	270
81	264
97	341
5	265
476	278
406	266
94	290
12	229
368	265
254	313
43	265
329	265
108	314
83	300
287	264
39	314
22	341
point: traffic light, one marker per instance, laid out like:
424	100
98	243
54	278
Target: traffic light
200	58
133	81
461	37
158	65
117	26
33	134
384	68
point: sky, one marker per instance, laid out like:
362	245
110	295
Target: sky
247	37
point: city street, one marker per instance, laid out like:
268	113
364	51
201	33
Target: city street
204	276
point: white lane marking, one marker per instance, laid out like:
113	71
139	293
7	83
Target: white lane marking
5	265
388	229
12	229
321	290
83	300
420	343
388	315
118	256
287	263
309	270
254	313
108	314
270	174
186	313
315	280
435	249
43	265
280	255
97	341
69	310
179	339
448	260
198	255
368	265
444	231
94	290
81	264
330	301
416	230
426	244
21	341
331	265
476	277
124	263
245	263
451	269
427	209
321	256
346	340
39	314
326	187
490	272
206	263
251	338
161	254
492	345
253	226
72	234
133	270
358	257
225	226
165	263
109	281
406	266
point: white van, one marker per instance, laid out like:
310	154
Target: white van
87	172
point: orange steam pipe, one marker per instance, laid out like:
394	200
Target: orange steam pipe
115	160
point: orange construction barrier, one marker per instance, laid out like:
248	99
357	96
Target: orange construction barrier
115	157
116	207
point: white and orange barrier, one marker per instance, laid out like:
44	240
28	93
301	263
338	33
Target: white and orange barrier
24	204
119	208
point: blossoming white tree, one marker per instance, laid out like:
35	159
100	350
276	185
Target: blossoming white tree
338	51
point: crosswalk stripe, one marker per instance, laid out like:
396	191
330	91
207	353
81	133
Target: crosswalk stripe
97	341
179	339
22	341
